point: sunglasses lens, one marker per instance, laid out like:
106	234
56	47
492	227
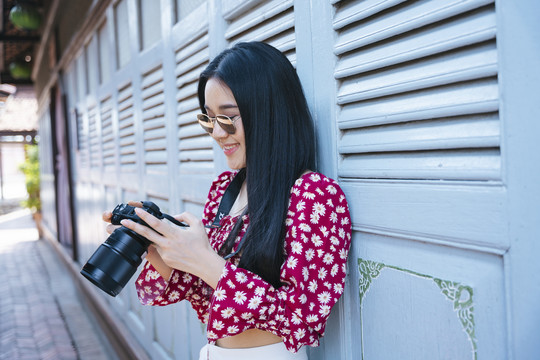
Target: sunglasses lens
205	123
226	124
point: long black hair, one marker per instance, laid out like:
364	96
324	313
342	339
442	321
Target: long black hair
280	145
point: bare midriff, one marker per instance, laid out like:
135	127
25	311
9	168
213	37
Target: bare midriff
247	339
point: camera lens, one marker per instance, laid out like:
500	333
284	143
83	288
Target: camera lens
116	260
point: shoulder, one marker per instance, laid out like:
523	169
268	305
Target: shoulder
313	185
315	197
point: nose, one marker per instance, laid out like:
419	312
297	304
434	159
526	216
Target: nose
218	132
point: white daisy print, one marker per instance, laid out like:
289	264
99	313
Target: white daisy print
331	189
291	262
233	329
334	270
312	286
227	313
173	296
296	247
340	209
303	299
295	319
333	217
338	288
219	294
319	208
324	297
218	325
299	334
240	297
324	310
231	284
241	277
316	240
314	218
312	318
308	195
259	290
324	231
315	177
310	253
300	205
334	240
328	259
186	277
305	227
246	316
305	273
322	273
254	302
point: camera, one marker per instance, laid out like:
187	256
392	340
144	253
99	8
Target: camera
115	261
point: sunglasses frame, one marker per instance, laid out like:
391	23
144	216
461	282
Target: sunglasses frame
226	122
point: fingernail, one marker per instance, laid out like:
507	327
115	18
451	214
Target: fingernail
124	222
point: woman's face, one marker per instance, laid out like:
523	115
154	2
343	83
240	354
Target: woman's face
219	100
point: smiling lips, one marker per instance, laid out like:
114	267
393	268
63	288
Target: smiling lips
230	149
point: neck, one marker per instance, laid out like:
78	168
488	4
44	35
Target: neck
241	201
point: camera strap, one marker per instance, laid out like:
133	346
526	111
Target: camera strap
228	199
225	206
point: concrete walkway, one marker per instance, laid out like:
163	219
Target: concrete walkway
41	315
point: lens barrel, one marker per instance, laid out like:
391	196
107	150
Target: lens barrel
115	261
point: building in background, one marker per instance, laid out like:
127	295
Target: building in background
425	111
18	126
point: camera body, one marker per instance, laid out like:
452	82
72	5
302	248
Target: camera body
115	261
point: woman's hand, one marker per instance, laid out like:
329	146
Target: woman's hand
107	215
183	248
152	255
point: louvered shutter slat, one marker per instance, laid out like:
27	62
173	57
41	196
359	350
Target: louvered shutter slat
108	145
126	128
194	144
413	106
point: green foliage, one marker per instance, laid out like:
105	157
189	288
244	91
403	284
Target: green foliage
30	168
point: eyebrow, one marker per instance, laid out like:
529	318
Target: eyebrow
223	107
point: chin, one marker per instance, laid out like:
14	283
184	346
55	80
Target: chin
236	166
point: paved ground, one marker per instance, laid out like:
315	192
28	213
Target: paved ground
41	315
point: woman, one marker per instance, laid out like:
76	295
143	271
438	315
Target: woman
264	267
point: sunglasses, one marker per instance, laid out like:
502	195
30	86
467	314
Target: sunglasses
226	123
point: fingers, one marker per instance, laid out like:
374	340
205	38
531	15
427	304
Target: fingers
188	218
156	228
110	228
106	216
143	230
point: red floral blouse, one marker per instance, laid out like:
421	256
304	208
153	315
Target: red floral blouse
318	236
